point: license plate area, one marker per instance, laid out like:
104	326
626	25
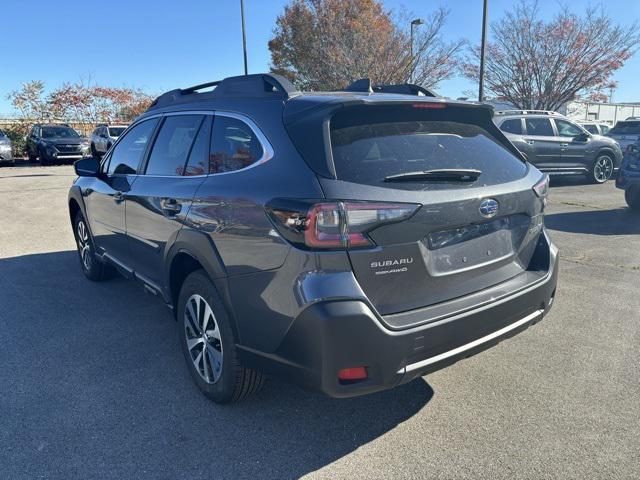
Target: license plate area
475	245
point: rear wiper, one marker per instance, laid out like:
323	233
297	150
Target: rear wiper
450	174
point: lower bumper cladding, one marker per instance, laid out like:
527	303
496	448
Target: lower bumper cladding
344	338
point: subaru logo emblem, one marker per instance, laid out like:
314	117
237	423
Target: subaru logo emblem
489	207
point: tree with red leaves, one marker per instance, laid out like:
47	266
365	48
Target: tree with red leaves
326	44
543	65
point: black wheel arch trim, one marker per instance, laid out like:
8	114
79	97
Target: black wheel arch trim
201	248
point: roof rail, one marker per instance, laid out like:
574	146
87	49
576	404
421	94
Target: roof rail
526	112
361	85
364	85
405	89
258	85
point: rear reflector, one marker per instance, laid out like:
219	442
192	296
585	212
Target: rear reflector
353	373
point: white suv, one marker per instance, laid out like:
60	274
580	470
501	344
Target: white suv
103	137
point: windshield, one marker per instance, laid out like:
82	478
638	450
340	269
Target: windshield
49	132
626	128
367	153
116	131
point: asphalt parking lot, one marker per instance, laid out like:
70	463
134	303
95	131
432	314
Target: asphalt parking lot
93	383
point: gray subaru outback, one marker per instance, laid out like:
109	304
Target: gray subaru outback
559	146
348	241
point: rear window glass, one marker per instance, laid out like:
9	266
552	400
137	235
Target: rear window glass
540	127
367	153
629	128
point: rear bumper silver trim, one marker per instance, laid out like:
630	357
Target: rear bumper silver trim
463	348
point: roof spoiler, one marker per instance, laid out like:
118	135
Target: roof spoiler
364	85
258	85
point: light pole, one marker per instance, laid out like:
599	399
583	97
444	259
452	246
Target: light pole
483	51
414	23
244	38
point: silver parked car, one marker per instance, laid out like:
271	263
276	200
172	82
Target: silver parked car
103	137
6	157
595	128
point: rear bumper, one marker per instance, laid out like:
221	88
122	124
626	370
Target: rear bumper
628	180
332	335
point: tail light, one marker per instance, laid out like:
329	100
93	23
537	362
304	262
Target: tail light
334	225
542	187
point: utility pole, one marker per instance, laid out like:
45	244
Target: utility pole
483	50
414	23
244	38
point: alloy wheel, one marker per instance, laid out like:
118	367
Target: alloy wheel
84	245
202	335
603	169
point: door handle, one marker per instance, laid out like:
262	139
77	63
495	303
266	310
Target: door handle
564	144
118	197
530	142
170	206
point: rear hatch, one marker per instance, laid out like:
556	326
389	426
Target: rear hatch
626	132
476	219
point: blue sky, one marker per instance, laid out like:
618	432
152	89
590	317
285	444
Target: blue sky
159	45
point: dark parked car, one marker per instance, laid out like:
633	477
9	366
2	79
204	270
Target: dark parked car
559	146
629	178
349	241
626	132
6	157
56	144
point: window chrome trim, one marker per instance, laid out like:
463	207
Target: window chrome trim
267	149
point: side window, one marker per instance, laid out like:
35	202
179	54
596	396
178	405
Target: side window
513	125
589	128
539	126
127	154
197	163
173	144
233	145
605	129
567	129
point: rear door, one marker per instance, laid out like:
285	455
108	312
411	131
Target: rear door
545	145
468	233
158	202
106	202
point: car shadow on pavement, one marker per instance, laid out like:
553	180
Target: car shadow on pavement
95	386
619	221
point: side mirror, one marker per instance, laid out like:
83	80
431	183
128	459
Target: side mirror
87	167
582	137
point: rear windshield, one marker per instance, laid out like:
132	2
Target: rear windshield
622	128
116	131
368	152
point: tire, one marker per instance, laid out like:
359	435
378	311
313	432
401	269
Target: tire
602	168
94	152
44	161
30	156
94	269
210	353
632	197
